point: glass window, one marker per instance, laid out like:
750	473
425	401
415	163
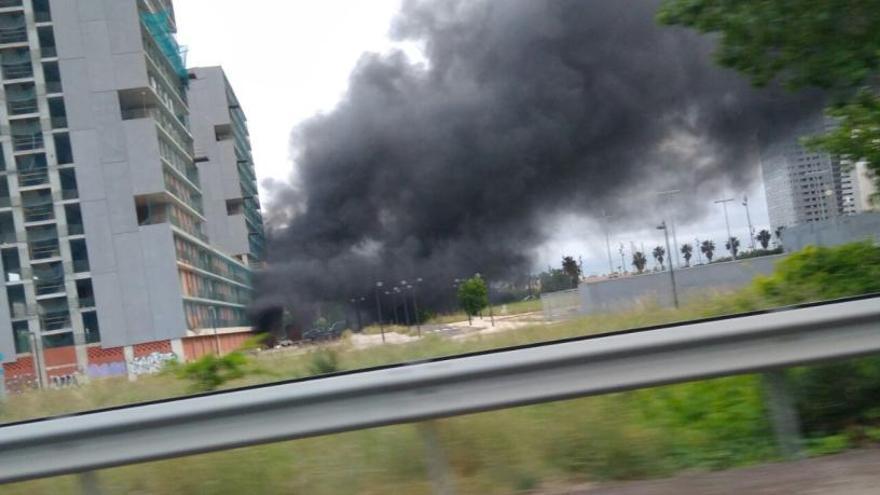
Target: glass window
63	150
80	256
21	334
58	340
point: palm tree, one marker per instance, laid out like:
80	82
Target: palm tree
659	254
732	246
571	268
688	252
640	261
708	248
764	238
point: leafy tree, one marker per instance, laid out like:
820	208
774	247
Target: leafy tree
659	255
473	295
572	269
687	251
732	246
764	238
708	249
639	261
778	233
828	44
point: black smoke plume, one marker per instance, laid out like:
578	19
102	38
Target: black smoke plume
523	109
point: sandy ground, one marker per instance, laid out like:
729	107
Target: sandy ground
851	473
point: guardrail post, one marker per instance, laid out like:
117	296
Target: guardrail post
783	415
88	483
435	457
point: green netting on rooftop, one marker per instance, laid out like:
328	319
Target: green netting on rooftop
159	26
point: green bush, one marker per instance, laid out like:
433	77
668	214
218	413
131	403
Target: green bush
323	361
210	372
822	273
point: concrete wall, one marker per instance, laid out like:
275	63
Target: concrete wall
617	294
864	226
7	343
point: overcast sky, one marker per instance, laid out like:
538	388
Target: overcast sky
289	60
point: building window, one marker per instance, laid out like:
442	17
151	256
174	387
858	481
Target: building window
22	336
63	150
90	324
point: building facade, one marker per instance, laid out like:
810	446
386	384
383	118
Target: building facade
804	186
104	232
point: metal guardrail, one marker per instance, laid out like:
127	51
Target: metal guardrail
439	388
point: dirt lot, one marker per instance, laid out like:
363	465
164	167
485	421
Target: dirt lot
851	473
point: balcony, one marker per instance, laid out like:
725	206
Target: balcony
55	321
16	34
45	287
33	177
28	142
44	249
10	4
39	213
17	70
21	99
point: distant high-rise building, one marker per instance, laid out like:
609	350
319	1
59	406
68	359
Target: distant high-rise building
111	244
806	186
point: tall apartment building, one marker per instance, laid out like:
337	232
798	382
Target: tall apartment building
105	216
805	186
226	167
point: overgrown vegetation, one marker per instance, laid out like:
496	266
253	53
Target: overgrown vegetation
705	425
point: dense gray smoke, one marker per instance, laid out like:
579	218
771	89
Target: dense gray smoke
525	109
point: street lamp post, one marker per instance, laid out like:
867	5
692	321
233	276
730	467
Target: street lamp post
402	292
723	203
357	312
749	220
415	289
671	225
662	227
607	242
379	310
699	250
391	295
38	363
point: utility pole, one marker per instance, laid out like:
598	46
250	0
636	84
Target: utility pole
671	268
723	203
622	259
749	219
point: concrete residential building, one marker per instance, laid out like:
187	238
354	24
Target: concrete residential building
226	167
105	234
804	186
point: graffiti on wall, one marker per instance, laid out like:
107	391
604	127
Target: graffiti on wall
151	364
105	370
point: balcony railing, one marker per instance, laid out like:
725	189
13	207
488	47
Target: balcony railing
26	142
33	177
55	321
8	4
39	213
18	70
53	285
13	35
40	250
22	106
